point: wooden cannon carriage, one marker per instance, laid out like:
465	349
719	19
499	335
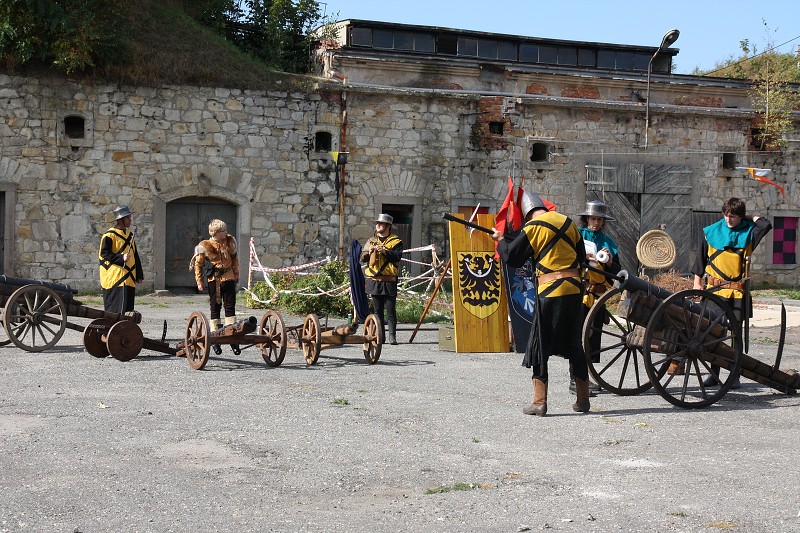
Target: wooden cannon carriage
199	339
34	315
311	337
691	331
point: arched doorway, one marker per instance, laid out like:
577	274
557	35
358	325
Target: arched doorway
186	225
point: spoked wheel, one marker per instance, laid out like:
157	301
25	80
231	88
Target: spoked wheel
695	329
374	343
93	337
620	368
35	318
124	340
273	351
196	341
311	339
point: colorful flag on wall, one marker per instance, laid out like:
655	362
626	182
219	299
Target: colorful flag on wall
763	175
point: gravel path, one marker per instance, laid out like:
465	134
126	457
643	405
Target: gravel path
96	445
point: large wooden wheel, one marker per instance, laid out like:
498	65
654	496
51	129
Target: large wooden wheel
374	341
93	335
274	350
196	341
620	368
35	318
311	339
697	330
124	340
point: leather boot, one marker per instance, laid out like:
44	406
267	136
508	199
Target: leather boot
214	326
581	404
229	321
392	337
710	380
594	388
538	406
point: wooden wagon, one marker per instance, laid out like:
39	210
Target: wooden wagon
199	339
311	337
35	316
674	343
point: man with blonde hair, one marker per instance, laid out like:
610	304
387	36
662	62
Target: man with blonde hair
217	260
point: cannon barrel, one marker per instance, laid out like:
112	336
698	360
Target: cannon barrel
241	327
629	282
8	285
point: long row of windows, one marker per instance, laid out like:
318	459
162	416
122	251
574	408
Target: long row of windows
506	50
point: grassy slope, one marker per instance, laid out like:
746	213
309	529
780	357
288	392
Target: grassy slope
168	46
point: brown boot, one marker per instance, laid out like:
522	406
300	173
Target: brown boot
539	405
581	404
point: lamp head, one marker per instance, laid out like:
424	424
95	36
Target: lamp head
669	39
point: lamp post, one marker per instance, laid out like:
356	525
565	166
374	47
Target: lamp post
669	38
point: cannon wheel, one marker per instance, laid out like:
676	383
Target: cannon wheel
621	368
693	344
196	341
311	339
93	337
372	332
124	340
273	351
35	318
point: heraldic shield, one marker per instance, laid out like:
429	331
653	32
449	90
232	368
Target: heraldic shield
480	311
479	282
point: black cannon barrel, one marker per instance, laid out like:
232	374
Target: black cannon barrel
21	282
628	282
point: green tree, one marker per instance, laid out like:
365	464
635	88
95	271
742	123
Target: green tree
72	35
771	94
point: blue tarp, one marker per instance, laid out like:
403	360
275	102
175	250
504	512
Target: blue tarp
357	283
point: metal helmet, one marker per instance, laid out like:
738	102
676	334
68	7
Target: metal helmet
530	202
385	219
596	208
121	212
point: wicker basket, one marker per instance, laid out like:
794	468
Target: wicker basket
656	249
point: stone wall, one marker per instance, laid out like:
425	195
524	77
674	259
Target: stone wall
435	151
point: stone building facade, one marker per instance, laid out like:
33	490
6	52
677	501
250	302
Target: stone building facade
424	135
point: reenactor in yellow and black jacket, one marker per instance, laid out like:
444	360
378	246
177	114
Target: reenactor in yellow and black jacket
120	266
555	245
382	253
724	258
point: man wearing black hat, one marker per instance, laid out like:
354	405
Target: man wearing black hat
382	253
120	266
554	243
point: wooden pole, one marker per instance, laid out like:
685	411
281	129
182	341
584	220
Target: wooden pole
430	301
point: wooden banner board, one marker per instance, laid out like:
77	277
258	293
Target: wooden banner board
480	311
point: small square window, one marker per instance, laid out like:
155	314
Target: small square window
360	37
467	47
74	127
540	152
322	141
728	160
496	128
382	39
423	42
529	53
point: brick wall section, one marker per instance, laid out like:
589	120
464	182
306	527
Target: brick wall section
535	88
699	101
575	91
490	109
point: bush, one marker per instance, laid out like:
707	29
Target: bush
304	299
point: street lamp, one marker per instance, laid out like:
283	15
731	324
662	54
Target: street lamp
669	38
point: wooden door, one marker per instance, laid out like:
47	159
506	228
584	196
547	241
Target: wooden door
187	225
642	198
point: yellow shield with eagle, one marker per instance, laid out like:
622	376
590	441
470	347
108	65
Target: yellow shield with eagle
479	282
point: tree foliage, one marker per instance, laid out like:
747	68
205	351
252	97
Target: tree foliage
771	94
72	35
277	32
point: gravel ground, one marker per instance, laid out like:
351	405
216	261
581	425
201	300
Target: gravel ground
96	445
